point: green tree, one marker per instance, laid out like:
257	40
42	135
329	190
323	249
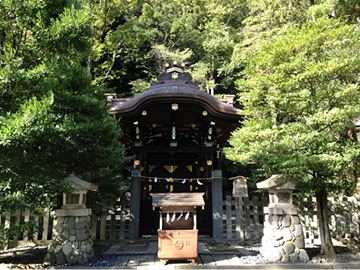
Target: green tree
217	46
52	121
301	94
264	20
37	40
137	40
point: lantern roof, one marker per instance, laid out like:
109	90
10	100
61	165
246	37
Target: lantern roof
278	181
79	184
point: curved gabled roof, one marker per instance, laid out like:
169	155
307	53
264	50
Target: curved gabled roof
178	90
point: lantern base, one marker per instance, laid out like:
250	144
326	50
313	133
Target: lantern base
71	241
283	238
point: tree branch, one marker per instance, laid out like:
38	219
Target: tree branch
113	59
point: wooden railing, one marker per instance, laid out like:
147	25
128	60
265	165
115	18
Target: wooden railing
44	223
345	220
115	225
243	219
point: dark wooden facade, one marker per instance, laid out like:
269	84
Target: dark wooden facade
175	132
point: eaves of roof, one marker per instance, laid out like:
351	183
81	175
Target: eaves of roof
176	91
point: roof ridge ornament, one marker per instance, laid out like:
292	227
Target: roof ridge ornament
175	73
174	69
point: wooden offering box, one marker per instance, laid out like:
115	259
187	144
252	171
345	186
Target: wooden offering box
177	235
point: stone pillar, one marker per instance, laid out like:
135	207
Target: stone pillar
135	205
283	238
217	204
71	241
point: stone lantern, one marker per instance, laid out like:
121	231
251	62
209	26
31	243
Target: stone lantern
77	199
283	238
71	241
280	187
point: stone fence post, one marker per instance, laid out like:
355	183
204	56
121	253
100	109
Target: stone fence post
217	201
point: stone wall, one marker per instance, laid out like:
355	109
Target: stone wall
71	241
283	238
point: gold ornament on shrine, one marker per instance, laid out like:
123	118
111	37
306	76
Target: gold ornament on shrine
175	75
174	106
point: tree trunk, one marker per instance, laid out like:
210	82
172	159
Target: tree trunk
352	135
212	76
327	248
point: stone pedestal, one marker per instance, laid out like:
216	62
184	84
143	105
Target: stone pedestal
283	238
71	241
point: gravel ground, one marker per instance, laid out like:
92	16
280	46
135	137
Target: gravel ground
343	255
24	255
35	255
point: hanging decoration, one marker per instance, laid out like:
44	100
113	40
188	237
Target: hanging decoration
180	215
194	184
182	180
172	218
151	167
170	168
150	186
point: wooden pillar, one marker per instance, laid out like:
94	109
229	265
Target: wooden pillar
217	202
135	204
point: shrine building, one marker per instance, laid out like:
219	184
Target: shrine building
175	133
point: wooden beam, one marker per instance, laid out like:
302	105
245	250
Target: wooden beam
167	149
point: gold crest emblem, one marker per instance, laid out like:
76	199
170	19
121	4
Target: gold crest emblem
174	75
174	106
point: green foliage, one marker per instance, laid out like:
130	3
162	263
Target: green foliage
137	42
265	20
253	172
303	94
52	121
139	86
167	57
34	46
